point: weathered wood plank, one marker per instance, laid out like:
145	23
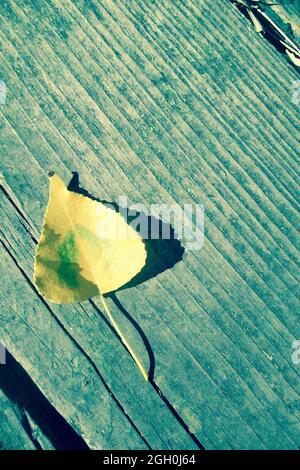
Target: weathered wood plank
17	245
44	426
13	436
81	394
289	12
18	431
104	349
161	101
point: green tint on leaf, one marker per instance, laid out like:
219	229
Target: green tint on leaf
85	248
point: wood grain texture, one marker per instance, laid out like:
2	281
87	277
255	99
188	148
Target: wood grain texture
289	12
34	415
163	102
13	436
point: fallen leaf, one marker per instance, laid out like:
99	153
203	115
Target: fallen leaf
85	249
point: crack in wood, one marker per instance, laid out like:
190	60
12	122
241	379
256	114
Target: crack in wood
78	346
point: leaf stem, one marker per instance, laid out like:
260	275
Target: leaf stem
123	339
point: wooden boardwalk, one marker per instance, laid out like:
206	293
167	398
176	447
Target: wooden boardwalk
173	102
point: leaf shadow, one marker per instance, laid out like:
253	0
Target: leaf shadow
162	254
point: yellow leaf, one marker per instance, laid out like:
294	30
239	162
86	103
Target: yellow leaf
85	249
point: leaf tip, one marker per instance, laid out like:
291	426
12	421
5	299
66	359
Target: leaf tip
57	184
